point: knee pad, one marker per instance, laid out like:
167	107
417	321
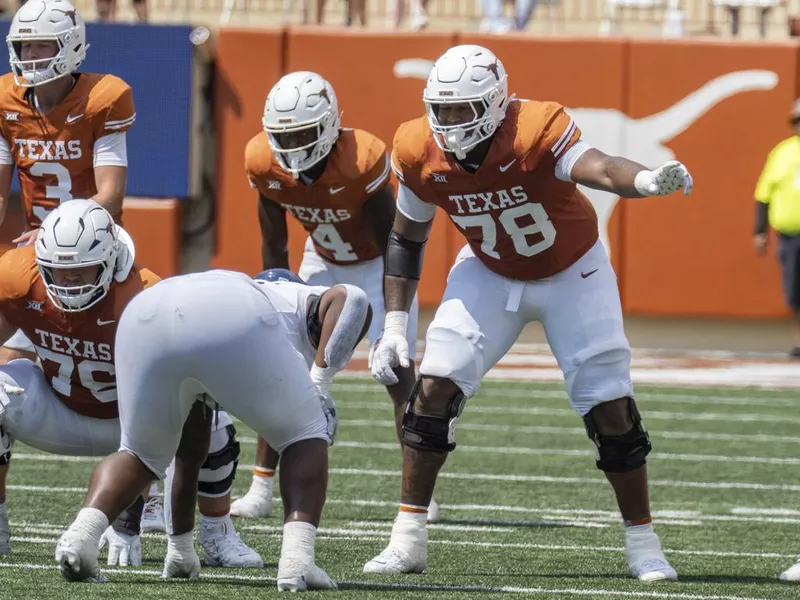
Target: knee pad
129	520
621	453
434	434
219	469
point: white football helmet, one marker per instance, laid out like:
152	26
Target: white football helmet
301	101
81	233
467	74
49	20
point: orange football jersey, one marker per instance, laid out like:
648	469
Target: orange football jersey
331	209
76	349
54	153
521	221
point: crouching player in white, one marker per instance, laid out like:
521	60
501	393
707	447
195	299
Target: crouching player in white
235	342
67	292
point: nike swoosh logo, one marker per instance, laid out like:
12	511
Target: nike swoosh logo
101	323
505	168
73	118
585	275
336	190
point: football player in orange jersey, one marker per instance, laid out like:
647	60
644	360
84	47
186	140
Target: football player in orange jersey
505	171
66	293
335	182
64	131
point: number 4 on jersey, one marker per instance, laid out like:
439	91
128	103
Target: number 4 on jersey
326	236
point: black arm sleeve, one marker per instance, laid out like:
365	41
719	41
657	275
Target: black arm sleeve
403	257
761	217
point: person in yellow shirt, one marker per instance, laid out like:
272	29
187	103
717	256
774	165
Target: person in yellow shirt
778	206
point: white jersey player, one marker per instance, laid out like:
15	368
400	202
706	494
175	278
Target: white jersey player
245	345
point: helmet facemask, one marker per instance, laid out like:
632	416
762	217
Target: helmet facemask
78	297
302	157
488	113
30	73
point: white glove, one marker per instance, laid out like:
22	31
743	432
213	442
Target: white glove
323	378
391	350
123	549
329	408
181	559
666	179
6	390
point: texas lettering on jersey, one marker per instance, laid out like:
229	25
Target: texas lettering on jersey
76	349
54	153
519	219
331	209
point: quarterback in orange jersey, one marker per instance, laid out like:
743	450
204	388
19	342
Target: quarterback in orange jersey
64	131
335	182
66	293
505	171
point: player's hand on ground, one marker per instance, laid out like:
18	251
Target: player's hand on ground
181	560
123	549
390	352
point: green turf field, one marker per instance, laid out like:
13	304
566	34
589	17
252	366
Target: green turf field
524	510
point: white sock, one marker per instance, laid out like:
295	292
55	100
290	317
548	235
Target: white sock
181	545
91	522
212	521
298	543
261	486
639	529
410	528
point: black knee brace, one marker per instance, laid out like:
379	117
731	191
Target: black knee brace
435	434
229	454
129	520
621	453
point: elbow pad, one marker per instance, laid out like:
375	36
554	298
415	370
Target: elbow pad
403	257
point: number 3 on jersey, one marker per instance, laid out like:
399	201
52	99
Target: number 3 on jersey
326	236
61	192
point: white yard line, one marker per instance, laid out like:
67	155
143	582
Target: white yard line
655	433
649	415
477	449
716	485
646	398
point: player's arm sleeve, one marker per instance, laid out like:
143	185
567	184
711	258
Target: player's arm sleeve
412	207
111	150
409	204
